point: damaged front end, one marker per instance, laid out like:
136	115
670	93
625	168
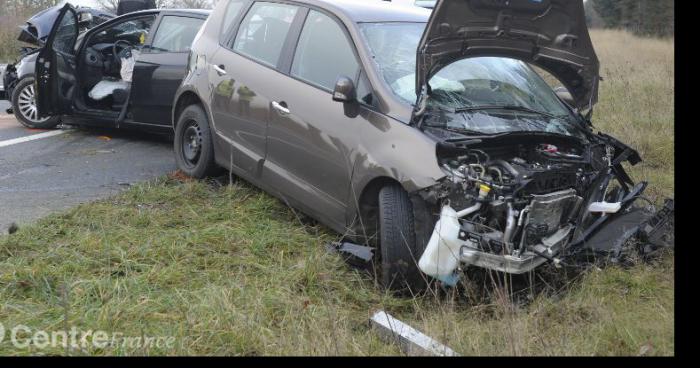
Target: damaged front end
513	202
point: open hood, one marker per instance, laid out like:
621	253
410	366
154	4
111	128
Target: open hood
551	34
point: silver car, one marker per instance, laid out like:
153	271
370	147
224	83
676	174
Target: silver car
425	136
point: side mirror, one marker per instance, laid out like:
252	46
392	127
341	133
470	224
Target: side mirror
564	95
344	90
84	19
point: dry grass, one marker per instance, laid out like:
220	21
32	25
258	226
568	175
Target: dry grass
231	271
636	102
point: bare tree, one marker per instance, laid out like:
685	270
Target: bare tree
192	4
111	5
24	7
108	5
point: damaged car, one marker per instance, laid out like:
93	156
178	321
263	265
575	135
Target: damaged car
429	137
122	73
18	78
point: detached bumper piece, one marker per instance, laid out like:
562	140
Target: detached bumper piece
651	232
356	255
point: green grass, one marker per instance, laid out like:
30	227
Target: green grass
232	271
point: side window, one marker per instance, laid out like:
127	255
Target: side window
323	52
264	30
175	34
66	33
135	31
233	9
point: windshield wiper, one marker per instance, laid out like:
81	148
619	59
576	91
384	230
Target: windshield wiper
455	130
507	108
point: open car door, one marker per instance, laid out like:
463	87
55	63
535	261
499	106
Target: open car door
56	66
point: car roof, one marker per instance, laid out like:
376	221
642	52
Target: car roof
199	12
369	11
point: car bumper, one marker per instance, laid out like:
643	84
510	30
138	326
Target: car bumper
608	241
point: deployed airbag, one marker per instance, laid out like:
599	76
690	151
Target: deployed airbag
106	88
128	63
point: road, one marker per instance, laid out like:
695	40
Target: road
63	168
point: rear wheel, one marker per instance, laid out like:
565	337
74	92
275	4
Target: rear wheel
194	148
397	242
24	106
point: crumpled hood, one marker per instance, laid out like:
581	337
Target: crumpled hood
38	27
551	34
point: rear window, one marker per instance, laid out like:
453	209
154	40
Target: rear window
264	30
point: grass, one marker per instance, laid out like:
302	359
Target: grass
231	271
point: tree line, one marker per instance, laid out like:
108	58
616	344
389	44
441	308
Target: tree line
111	5
22	8
641	17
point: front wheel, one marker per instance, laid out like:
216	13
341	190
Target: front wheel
24	106
194	147
399	249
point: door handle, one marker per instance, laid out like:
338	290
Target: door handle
220	69
281	107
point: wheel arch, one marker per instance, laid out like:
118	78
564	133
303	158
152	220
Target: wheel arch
366	205
186	98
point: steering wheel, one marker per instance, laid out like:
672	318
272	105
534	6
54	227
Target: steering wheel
117	59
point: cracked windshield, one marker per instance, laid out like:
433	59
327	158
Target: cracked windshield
482	94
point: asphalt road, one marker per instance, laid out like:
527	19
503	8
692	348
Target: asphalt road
64	168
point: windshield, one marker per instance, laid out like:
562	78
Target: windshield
507	93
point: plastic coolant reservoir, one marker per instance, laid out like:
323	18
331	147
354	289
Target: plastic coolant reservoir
441	257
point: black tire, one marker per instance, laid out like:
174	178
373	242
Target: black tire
24	106
397	242
194	147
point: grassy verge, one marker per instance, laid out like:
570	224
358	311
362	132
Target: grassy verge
230	270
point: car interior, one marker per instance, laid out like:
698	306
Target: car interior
106	65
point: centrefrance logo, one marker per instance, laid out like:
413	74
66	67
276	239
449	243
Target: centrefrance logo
24	337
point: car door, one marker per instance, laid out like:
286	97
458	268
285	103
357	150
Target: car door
160	67
310	136
244	73
56	66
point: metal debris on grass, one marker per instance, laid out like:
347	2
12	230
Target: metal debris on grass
411	341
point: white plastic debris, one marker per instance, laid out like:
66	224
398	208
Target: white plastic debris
105	88
442	254
441	257
605	207
411	341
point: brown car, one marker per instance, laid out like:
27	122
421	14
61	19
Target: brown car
425	135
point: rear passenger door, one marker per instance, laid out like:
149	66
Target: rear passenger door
310	136
244	76
160	68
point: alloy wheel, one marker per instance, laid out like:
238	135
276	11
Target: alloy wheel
27	104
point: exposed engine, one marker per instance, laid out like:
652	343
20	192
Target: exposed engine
514	202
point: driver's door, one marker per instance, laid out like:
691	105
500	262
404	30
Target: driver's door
56	66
